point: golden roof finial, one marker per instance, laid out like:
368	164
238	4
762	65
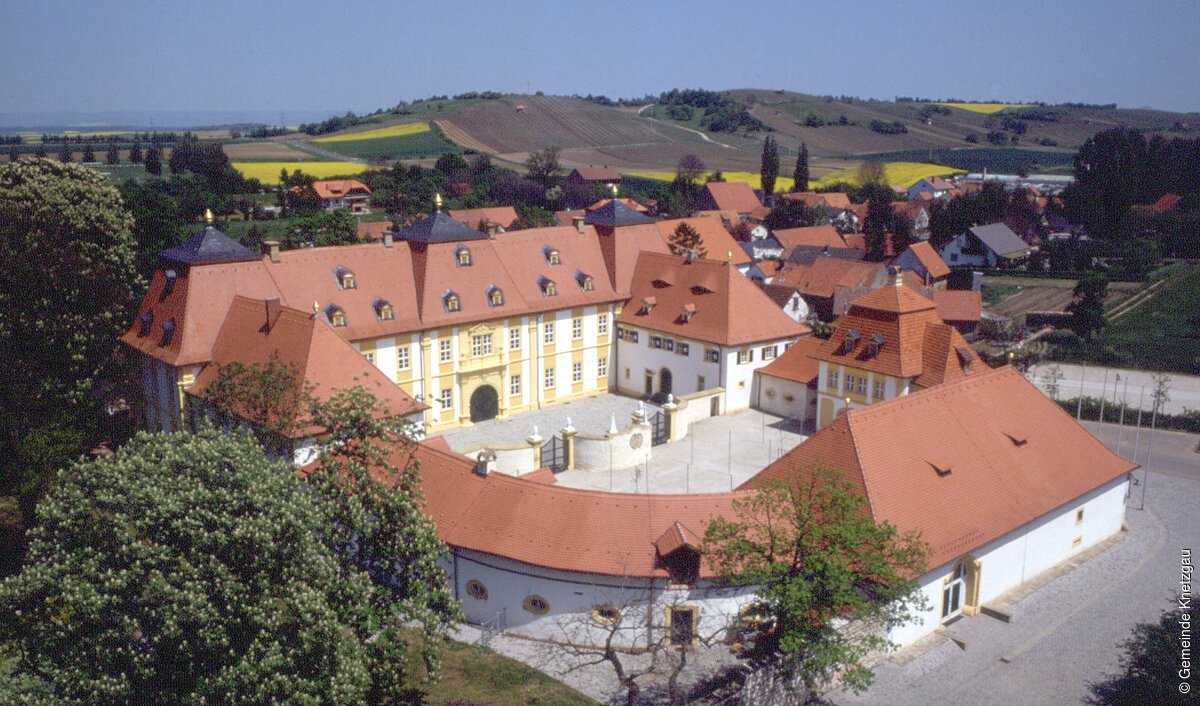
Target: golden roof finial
437	201
208	216
613	188
316	307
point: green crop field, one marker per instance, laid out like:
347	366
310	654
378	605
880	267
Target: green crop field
424	143
998	160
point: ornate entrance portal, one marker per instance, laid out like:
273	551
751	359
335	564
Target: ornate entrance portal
485	403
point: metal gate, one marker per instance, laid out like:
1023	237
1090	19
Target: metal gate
554	454
658	429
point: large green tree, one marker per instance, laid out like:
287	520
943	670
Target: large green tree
1087	309
543	166
800	175
1109	170
68	289
878	222
685	238
769	170
189	569
818	559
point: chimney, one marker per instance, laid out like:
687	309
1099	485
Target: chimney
578	221
388	239
271	247
485	462
689	255
491	230
273	309
897	275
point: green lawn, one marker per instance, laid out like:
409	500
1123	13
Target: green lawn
1162	334
477	675
995	293
421	144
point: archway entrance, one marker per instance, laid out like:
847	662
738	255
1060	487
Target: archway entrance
485	403
664	382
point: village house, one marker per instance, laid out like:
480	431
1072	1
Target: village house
594	175
729	197
829	284
923	261
987	246
933	187
502	217
333	194
788	385
693	324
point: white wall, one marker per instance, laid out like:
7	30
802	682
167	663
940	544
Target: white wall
1024	553
596	453
771	395
639	357
572	596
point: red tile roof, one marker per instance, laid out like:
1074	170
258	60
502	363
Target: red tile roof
565	218
621	247
958	305
729	309
826	274
1167	202
717	241
813	236
729	196
340	188
553	526
893	452
916	342
628	202
252	334
503	216
796	363
373	231
930	260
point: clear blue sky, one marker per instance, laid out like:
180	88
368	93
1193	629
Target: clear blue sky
335	56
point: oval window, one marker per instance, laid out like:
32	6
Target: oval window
536	605
476	590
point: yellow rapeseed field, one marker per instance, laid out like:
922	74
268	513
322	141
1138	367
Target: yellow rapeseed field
986	108
391	131
268	172
754	180
903	174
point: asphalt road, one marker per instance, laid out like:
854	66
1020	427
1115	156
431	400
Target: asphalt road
1184	390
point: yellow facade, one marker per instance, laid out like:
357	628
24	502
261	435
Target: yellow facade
833	390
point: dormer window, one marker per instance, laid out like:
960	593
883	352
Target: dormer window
549	289
964	357
875	344
686	312
451	302
336	316
648	305
147	320
168	332
462	256
495	296
586	283
384	310
850	342
169	278
551	255
346	278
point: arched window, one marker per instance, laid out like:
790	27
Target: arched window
451	302
346	279
336	316
495	296
463	255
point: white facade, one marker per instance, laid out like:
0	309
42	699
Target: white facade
1007	562
653	363
785	398
956	253
558	605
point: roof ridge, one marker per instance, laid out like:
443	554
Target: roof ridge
858	463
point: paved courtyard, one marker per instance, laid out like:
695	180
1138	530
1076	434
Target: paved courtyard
719	453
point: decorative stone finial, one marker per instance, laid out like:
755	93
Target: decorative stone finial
316	307
208	216
612	425
437	202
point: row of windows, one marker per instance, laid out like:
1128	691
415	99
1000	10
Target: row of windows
481	344
767	353
446	397
670	344
854	384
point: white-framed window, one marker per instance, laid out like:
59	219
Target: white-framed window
370	356
669	344
860	385
768	352
481	344
576	372
712	355
877	389
602	368
447	399
514	338
682	348
548	381
548	333
745	357
831	379
656	341
514	385
444	350
602	324
576	329
403	362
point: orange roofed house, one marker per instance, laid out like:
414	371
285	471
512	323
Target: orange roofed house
341	193
694	324
999	481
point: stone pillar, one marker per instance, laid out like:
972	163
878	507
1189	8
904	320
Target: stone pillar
568	436
672	411
535	442
639	416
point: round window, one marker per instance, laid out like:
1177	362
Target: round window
476	590
536	605
605	614
770	393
